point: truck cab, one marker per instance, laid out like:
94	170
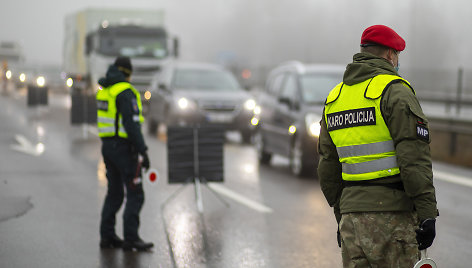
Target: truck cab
148	48
94	37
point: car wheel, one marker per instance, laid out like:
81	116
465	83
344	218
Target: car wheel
263	156
299	166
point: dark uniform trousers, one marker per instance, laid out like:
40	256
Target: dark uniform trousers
121	162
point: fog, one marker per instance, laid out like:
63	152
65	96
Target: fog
261	34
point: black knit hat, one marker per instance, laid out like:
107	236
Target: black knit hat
124	65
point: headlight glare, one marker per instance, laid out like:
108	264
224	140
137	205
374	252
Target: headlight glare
250	104
257	110
292	129
312	122
147	95
69	82
40	81
183	103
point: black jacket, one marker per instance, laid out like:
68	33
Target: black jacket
124	104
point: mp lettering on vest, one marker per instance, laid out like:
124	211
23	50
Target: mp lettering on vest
351	118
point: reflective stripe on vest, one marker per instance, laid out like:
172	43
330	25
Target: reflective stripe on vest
356	126
365	149
387	163
107	112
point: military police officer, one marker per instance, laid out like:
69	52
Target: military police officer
375	162
119	111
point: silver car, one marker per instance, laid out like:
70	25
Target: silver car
291	106
199	93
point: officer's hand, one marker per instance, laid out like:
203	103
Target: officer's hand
426	233
145	162
338	237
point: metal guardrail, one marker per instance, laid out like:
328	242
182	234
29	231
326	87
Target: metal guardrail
453	125
447	99
450	121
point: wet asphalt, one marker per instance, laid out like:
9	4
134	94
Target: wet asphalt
50	202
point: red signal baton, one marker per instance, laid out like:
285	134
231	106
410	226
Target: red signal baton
151	176
425	262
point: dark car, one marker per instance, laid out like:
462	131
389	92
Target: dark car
289	111
199	93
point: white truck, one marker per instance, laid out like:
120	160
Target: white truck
95	37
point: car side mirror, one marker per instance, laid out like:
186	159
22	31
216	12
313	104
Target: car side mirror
286	101
293	105
162	86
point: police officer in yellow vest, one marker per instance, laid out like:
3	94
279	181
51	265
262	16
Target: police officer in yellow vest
119	119
375	163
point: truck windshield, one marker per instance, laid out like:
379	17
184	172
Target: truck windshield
194	79
134	44
316	86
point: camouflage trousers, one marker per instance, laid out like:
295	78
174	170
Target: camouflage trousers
379	239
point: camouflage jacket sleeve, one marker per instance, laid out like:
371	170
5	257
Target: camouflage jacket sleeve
329	170
410	133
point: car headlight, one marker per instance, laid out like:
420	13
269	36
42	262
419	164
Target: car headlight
250	104
257	110
40	81
185	104
69	82
312	122
147	95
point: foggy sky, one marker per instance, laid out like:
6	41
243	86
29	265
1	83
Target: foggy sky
265	32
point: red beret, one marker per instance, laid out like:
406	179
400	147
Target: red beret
382	35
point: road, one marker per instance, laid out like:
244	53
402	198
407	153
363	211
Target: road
52	185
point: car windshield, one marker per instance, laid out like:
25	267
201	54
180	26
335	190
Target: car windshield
134	45
316	87
214	80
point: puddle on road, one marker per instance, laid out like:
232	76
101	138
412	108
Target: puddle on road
14	206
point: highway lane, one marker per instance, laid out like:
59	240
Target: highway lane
54	198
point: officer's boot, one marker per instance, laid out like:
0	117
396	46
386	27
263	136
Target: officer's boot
113	242
138	244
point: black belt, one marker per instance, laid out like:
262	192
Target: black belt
393	185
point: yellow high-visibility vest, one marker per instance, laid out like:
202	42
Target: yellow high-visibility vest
109	120
356	126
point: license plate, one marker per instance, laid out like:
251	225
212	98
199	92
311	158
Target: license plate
219	118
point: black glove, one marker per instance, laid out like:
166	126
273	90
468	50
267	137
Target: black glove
338	237
145	162
425	235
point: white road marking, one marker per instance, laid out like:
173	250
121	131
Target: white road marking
93	130
456	179
27	147
239	198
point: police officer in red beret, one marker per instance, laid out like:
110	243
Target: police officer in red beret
375	162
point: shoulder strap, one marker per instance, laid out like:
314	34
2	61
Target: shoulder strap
334	94
380	83
117	88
